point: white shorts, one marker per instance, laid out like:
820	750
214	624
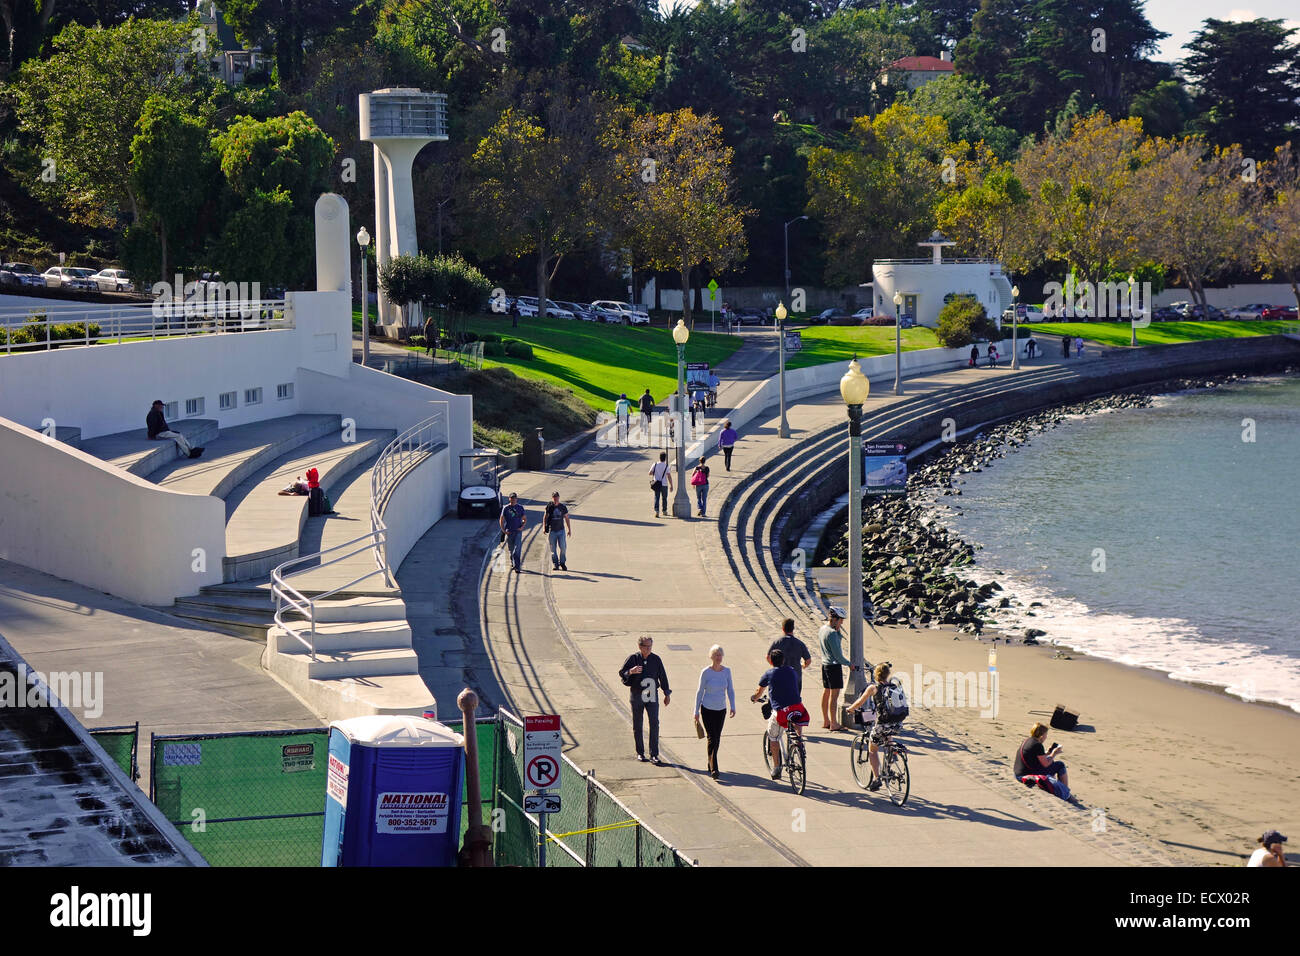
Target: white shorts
773	728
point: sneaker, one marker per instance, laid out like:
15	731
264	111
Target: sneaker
641	758
656	761
563	566
555	567
874	785
656	513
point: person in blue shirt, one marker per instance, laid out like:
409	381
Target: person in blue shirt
714	382
783	695
512	521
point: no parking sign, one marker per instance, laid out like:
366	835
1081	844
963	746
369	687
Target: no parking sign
542	746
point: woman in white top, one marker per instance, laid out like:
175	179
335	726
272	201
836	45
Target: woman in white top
711	699
1270	850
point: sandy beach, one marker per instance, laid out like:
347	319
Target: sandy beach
1199	772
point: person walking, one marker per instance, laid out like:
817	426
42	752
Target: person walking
711	699
647	409
1078	346
727	441
661	482
993	355
700	482
974	356
513	519
558	527
1065	346
514	313
430	335
792	649
643	674
830	642
622	413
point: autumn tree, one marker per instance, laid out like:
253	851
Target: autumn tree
990	218
542	185
1197	203
1277	204
678	197
878	197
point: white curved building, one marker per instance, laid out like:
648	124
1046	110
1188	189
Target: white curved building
926	284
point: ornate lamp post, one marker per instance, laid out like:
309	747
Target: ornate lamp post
787	255
784	430
1015	354
681	502
898	344
363	240
854	389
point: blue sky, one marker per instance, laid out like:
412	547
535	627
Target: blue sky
1181	18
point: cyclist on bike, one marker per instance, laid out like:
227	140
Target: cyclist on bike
867	703
782	685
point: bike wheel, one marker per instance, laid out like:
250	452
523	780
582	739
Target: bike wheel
767	754
858	759
796	767
898	782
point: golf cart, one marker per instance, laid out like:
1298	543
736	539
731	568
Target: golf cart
480	485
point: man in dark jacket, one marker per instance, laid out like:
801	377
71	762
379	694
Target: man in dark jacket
647	404
643	673
792	649
158	430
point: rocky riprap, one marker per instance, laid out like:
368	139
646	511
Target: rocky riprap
911	563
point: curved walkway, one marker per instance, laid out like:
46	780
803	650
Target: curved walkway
556	641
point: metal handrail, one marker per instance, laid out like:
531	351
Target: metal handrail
152	320
393	462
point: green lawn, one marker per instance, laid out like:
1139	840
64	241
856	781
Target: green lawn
1158	333
597	362
839	343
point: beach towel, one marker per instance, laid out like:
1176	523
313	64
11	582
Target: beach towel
1044	782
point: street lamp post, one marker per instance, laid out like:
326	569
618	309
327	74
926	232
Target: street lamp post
854	389
681	502
1132	312
1015	355
787	252
784	430
898	343
363	240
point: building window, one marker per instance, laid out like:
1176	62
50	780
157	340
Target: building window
193	406
171	410
227	400
284	391
252	396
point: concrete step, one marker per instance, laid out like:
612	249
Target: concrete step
341	636
361	609
241	451
371	662
344	697
246	624
133	451
263	529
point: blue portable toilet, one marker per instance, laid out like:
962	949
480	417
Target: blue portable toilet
393	792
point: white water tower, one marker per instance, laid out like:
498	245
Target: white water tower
399	122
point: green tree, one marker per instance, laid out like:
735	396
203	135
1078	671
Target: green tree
962	320
678	196
81	105
1165	110
1276	243
990	218
878	197
964	105
288	27
174	174
263	241
1245	74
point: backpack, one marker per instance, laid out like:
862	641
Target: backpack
893	707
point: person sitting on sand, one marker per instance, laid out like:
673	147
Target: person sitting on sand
1036	766
1270	850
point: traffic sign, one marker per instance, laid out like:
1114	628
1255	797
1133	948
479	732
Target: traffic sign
542	746
541	803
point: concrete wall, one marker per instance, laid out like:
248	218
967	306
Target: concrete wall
816	379
1229	297
107	388
66	513
416	503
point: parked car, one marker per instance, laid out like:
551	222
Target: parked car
1252	311
1199	313
863	314
829	315
113	280
25	274
1276	313
748	316
1032	313
1166	314
528	307
579	310
633	315
68	277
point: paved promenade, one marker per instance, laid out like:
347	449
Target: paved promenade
557	640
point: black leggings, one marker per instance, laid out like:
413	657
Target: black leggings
726	456
713	720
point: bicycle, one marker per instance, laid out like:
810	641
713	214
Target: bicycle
895	777
794	758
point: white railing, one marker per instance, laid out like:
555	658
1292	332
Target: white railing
929	260
399	455
37	328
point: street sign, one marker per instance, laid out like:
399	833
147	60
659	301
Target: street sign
542	745
713	286
793	340
884	467
541	803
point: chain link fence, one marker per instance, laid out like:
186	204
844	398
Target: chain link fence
122	746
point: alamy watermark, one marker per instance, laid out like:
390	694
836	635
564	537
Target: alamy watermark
205	297
76	690
966	689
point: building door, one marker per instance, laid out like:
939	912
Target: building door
909	309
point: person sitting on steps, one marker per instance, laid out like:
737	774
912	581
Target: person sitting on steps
158	430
